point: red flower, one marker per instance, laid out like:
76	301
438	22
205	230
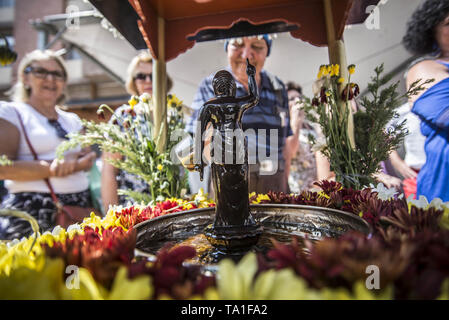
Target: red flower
130	111
323	97
347	93
168	205
315	102
328	186
126	123
350	91
279	197
171	277
284	255
356	88
102	254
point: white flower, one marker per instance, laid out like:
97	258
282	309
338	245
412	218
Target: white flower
145	97
319	144
56	231
383	193
439	204
139	108
421	203
74	227
12	243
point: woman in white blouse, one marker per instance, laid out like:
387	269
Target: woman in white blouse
41	82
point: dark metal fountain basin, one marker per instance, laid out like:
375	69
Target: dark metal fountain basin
279	221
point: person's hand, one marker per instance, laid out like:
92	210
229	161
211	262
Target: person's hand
407	172
86	161
62	168
250	69
401	167
296	116
389	181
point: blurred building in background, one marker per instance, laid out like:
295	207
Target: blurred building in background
96	75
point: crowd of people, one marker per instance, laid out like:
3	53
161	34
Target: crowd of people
33	124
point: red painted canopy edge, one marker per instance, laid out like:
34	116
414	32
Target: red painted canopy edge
187	17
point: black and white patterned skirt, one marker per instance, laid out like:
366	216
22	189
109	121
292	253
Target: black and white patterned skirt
41	207
129	181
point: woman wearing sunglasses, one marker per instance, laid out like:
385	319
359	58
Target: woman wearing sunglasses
31	128
139	81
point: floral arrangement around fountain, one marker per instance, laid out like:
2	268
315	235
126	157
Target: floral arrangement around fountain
409	243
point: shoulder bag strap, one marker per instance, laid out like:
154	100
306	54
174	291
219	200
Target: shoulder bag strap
47	181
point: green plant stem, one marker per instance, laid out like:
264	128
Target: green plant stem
23	215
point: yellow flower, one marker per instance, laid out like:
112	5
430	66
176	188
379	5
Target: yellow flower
133	101
351	69
321	194
238	281
334	70
322	71
201	199
139	288
93	221
111	220
261	197
173	101
341	80
160	167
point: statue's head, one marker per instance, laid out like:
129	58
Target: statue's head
224	84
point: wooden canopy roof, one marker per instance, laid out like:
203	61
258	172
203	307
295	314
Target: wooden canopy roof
185	19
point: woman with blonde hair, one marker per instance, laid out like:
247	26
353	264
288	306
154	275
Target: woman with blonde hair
139	81
31	128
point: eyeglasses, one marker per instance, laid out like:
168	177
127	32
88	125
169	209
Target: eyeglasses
60	131
238	44
43	73
293	98
143	76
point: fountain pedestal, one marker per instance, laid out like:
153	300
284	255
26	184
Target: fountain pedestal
234	228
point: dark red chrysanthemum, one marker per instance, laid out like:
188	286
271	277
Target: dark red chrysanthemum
102	254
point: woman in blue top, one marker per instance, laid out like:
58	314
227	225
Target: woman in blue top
428	33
